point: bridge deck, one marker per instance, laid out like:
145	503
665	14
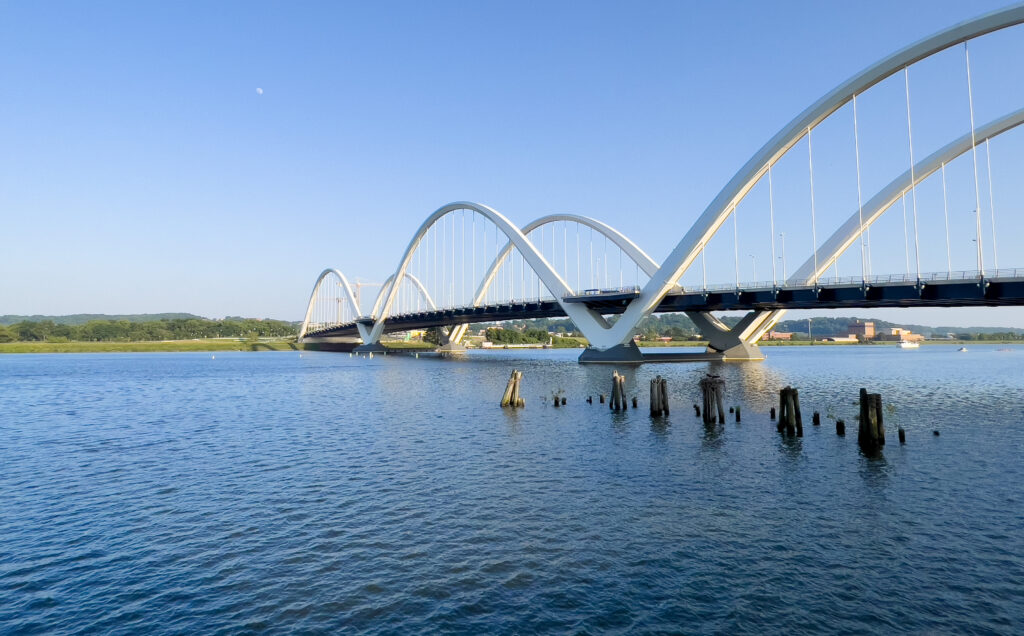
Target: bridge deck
992	292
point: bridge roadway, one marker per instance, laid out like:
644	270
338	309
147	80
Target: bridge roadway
1005	288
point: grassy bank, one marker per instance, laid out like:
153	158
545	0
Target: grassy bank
411	344
145	347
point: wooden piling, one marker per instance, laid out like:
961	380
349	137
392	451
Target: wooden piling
772	413
796	408
659	396
903	436
840	427
737	413
506	398
871	433
656	396
791	428
563	401
696	410
634	401
601	398
618	401
816	419
712	387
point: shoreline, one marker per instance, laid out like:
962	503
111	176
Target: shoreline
215	345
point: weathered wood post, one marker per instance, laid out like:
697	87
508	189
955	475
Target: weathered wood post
737	414
613	404
563	401
634	401
696	410
506	398
816	419
622	393
790	413
601	398
663	391
772	413
711	387
840	427
655	396
903	436
799	419
871	434
781	425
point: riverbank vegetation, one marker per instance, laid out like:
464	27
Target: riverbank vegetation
206	344
148	331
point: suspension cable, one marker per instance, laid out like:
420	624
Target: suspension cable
735	246
906	238
814	230
771	219
991	205
860	201
974	153
913	181
945	212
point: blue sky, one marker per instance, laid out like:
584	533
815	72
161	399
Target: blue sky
142	172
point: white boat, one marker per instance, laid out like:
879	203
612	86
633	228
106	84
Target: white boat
962	349
906	344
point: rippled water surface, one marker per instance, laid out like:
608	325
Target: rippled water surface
251	492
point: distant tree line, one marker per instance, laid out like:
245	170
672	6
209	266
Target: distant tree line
512	336
126	331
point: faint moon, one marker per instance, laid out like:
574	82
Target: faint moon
259	91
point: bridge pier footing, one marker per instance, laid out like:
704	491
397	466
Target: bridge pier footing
451	347
742	351
371	348
627	353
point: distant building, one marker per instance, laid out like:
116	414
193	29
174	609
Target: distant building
897	334
862	330
779	335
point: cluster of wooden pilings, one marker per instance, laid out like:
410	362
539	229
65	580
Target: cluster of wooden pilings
872	431
712	387
511	397
871	435
618	401
659	396
789	412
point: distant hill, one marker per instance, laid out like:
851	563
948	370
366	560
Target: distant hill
81	319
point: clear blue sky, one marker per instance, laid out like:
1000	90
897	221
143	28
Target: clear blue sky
141	171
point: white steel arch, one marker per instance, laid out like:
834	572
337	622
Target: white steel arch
387	287
585	319
620	240
316	286
723	204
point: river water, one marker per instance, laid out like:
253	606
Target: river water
256	492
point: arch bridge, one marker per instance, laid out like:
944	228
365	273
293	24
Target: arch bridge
467	263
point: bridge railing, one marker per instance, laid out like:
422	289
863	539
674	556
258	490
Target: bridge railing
925	277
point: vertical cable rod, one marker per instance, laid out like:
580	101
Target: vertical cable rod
771	219
906	237
814	230
860	201
913	181
991	205
945	212
974	153
735	246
